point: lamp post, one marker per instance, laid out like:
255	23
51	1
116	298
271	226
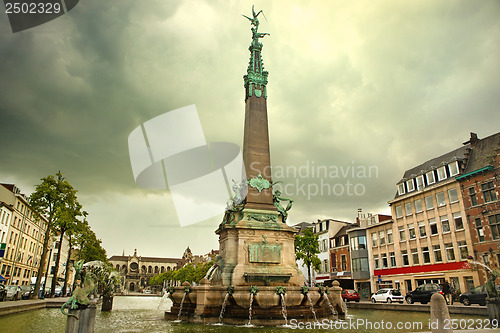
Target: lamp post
46	273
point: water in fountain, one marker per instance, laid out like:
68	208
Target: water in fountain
180	308
283	309
163	299
250	311
477	263
312	307
223	308
334	313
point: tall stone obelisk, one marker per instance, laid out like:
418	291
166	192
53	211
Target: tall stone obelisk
256	154
256	247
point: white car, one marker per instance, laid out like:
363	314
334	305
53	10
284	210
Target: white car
388	296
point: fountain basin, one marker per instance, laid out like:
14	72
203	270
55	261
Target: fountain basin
204	303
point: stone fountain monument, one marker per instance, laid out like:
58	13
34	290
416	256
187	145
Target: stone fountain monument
255	279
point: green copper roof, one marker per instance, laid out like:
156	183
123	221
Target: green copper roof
489	167
256	78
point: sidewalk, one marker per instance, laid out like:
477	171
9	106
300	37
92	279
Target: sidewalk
10	307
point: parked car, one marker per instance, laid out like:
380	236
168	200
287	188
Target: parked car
475	296
58	291
13	292
423	293
26	293
3	293
388	296
350	295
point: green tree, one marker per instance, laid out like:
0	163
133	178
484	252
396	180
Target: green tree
307	248
50	196
66	218
88	246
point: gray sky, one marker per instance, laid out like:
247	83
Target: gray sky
377	86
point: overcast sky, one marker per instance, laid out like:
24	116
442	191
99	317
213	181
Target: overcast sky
378	86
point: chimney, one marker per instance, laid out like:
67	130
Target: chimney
473	139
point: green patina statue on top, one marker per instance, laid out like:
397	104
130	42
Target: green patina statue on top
256	78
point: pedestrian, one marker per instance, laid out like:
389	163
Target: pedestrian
447	293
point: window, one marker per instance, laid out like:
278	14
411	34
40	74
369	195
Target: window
381	235
453	167
428	203
414	256
418	206
392	257
389	236
430	177
450	253
421	229
408	208
401	188
441	173
399	212
486	259
462	249
384	260
404	256
362	242
459	224
364	264
437	253
402	234
472	195
452	194
433	226
420	182
445	224
411	231
410	185
377	264
374	239
495	225
480	234
489	191
440	199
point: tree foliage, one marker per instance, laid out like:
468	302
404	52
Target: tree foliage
189	273
307	248
49	199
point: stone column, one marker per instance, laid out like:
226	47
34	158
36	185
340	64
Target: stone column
85	322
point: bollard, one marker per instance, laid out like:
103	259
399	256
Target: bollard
439	315
86	319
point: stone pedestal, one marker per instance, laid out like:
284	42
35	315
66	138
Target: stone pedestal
493	305
85	322
107	303
257	248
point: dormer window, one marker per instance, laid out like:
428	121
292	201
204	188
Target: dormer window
420	182
442	173
410	185
401	188
430	177
453	167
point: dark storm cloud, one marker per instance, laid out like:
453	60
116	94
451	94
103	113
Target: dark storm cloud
388	84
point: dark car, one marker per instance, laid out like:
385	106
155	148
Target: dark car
350	295
423	293
3	293
26	291
475	296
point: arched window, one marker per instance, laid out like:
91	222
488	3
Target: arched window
124	268
168	268
156	270
150	269
162	269
117	267
144	270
